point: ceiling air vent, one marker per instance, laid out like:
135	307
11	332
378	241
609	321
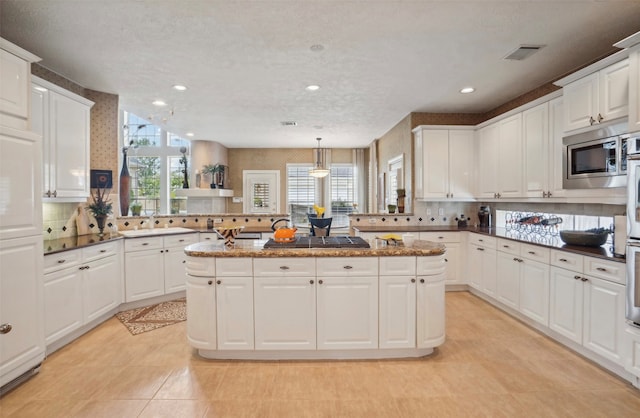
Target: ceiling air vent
289	123
522	52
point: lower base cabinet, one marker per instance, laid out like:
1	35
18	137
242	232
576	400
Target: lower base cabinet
397	311
201	312
234	299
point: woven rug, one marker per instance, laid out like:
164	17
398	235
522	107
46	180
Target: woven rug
152	317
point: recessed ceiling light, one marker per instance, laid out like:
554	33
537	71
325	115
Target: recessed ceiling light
312	87
467	90
316	48
189	133
289	123
179	87
159	103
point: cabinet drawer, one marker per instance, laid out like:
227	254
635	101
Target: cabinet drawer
607	270
440	236
284	267
233	266
181	240
348	266
535	253
566	260
99	251
508	246
482	240
59	261
209	236
397	266
141	244
201	266
428	266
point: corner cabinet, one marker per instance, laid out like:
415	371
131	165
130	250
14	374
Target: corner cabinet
445	162
63	120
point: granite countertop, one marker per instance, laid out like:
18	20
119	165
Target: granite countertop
73	243
548	241
247	248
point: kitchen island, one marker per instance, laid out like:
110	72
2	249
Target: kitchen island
308	303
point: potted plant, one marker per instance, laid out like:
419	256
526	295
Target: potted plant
391	208
136	208
100	207
217	174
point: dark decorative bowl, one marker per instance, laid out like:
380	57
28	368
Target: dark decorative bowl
585	238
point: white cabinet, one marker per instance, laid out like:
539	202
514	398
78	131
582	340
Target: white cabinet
21	306
430	301
397	302
201	312
534	290
454	243
508	279
634	89
79	287
347	303
234	298
285	304
15	74
62	119
154	266
597	98
500	159
445	163
586	309
537	144
482	263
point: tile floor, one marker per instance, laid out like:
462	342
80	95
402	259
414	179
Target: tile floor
490	366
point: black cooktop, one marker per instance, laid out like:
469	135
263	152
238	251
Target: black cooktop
319	242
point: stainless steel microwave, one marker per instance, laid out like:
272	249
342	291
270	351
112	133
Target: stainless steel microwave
595	159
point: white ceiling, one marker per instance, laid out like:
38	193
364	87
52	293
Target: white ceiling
247	63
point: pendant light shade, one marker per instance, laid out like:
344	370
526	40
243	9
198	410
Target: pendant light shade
319	171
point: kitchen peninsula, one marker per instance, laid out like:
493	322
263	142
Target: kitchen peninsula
248	302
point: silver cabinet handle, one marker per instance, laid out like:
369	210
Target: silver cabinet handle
577	277
103	251
564	260
145	243
181	240
6	328
505	246
61	261
601	269
480	249
284	267
584	279
347	267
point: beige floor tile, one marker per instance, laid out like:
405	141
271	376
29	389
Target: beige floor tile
42	408
111	409
238	409
175	409
248	382
134	382
192	382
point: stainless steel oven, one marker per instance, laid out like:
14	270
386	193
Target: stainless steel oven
596	158
633	229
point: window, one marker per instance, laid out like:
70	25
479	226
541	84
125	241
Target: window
301	192
342	189
154	165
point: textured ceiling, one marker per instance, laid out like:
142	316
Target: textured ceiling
247	63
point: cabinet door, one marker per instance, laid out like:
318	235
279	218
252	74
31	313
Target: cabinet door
430	310
462	163
20	165
62	303
102	287
556	130
510	167
69	136
488	143
418	170
474	272
435	160
14	90
40	125
175	261
454	262
580	102
488	267
604	318
285	313
347	313
614	91
201	312
535	131
234	297
534	291
634	89
508	279
397	312
565	303
21	274
144	274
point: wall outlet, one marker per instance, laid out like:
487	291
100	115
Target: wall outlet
372	221
428	211
217	220
236	199
440	211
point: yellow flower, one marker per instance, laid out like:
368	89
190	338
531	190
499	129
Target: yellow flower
319	210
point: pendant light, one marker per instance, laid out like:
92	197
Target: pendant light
319	171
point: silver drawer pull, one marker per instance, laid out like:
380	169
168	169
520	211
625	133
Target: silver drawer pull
5	328
440	237
284	267
532	252
505	246
145	243
181	240
103	251
481	240
347	267
601	269
480	249
564	260
61	261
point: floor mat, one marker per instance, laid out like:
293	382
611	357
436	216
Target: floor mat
152	317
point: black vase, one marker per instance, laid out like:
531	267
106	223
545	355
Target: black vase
125	182
100	219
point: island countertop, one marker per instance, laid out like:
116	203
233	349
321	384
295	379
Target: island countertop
254	248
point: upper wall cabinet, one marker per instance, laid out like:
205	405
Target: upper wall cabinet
15	75
445	162
500	159
597	98
634	89
62	118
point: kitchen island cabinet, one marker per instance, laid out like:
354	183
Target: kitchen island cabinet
293	290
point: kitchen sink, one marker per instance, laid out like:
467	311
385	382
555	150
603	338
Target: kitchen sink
155	232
